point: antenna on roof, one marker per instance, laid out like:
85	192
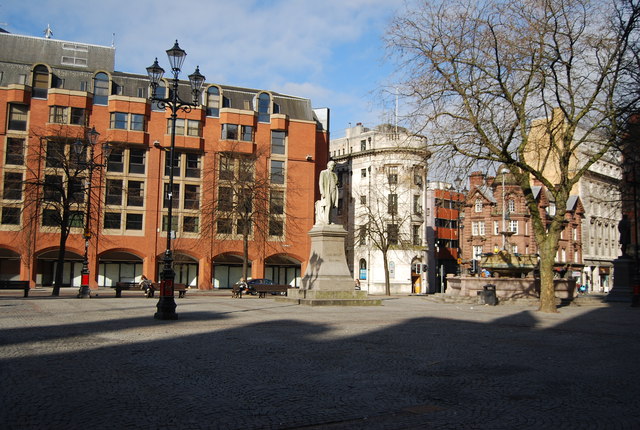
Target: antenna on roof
48	32
113	40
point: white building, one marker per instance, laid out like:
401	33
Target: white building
382	176
599	190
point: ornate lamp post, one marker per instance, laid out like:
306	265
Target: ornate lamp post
166	303
80	148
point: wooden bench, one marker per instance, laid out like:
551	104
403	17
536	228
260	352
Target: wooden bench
263	289
15	285
125	286
180	288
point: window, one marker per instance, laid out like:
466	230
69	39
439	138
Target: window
15	151
58	114
392	175
363	200
54	154
52	189
76	190
114	192
101	89
40	84
134	222
175	196
119	120
276	227
551	209
12	189
193	166
136	160
264	108
213	101
159	92
115	163
477	228
362	235
229	132
574	234
243	227
174	223
392	204
277	172
76	219
247	133
226	167
392	234
191	196
78	116
223	226
277	142
135	193
513	226
363	173
417	204
50	218
511	205
10	216
496	228
514	249
190	224
415	235
176	164
193	128
179	126
478	205
477	252
112	220
363	145
225	198
18	117
276	202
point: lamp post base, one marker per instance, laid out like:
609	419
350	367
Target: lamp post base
84	292
166	309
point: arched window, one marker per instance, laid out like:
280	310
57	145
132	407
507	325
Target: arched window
213	101
101	89
363	269
40	84
264	107
160	92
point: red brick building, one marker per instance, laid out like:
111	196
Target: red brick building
57	88
497	218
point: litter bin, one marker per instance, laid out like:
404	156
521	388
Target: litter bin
488	295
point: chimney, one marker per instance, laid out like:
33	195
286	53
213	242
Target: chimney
476	179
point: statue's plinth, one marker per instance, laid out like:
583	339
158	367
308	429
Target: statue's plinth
624	273
327	280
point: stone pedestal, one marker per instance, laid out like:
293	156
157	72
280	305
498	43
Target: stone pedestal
327	280
624	277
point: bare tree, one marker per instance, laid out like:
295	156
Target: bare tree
249	204
56	189
385	220
480	73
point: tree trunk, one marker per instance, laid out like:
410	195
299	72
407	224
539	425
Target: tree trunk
57	283
387	286
245	256
547	288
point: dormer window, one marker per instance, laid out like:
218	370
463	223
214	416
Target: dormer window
478	205
264	107
40	85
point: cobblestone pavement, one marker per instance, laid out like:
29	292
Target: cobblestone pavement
106	363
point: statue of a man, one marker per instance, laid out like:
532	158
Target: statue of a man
328	183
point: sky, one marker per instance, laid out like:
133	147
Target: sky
329	51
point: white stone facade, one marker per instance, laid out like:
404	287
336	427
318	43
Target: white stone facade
382	175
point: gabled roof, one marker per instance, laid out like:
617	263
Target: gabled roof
486	192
